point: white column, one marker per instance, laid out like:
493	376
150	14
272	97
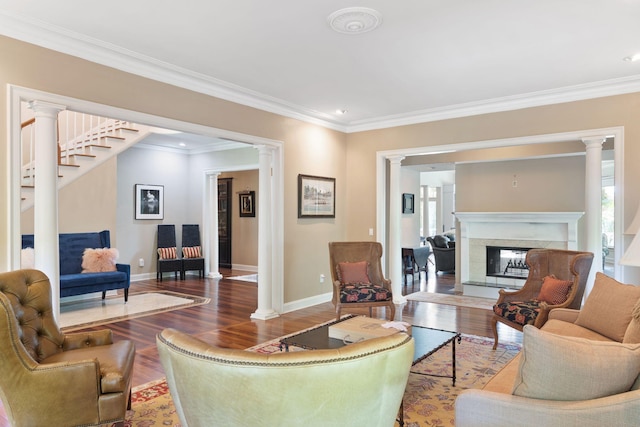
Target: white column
394	251
265	262
45	207
425	211
593	204
212	257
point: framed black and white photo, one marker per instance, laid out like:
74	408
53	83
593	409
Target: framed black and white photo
316	197
149	201
407	203
247	204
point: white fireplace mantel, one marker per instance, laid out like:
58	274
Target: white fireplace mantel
558	227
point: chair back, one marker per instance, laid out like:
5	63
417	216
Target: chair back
565	265
356	252
27	317
190	235
166	236
361	384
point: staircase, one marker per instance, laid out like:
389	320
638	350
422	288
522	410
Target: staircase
84	142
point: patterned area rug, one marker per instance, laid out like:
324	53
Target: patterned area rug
428	401
457	300
96	311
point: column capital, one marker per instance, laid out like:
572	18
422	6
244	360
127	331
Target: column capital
46	108
591	141
264	149
395	158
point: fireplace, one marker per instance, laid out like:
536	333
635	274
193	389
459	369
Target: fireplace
507	262
513	231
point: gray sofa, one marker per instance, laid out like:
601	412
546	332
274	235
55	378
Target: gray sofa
72	280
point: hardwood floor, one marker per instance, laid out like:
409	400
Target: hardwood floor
226	321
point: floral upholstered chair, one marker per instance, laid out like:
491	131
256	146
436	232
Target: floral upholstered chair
356	270
557	279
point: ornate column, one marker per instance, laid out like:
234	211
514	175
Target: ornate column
394	251
593	203
212	257
265	262
45	208
425	211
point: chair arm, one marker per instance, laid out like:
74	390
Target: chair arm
480	408
78	340
568	315
519	295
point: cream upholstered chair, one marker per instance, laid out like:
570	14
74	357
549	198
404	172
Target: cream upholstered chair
356	270
48	378
361	384
565	271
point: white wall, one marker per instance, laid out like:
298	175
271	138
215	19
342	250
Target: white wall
410	183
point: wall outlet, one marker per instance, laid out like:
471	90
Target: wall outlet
371	232
141	262
322	278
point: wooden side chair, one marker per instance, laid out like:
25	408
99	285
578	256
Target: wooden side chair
356	270
168	261
557	279
192	258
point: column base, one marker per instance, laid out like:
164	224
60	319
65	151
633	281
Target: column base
214	275
264	314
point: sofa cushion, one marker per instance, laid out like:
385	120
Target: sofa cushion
632	334
353	273
554	367
568	329
92	279
554	291
608	307
99	260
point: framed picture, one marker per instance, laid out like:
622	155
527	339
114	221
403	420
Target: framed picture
149	201
407	203
247	204
316	197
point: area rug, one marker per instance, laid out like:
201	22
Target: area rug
457	300
428	401
96	311
246	278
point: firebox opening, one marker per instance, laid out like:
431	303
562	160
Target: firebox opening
507	262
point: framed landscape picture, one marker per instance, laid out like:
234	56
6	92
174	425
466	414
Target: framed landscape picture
316	197
149	201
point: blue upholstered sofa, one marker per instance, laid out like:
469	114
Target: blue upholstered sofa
72	280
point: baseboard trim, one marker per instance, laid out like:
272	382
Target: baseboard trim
307	302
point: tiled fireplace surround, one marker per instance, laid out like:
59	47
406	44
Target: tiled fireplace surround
556	230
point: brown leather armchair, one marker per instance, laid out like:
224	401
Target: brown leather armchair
361	283
48	378
522	307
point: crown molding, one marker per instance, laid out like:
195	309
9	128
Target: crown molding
52	37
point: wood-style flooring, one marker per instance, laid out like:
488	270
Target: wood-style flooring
226	321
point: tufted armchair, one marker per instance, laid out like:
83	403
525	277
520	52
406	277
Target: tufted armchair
360	384
356	270
55	379
554	271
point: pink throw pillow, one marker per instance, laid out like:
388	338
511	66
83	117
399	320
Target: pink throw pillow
554	291
99	260
354	273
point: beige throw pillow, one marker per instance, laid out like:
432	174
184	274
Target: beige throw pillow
555	367
608	307
99	260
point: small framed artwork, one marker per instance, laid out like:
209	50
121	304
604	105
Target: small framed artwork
316	197
247	204
407	203
149	201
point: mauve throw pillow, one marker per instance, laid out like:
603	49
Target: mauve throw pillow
554	291
354	273
99	260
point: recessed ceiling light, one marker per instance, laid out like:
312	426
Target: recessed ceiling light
354	20
341	112
633	58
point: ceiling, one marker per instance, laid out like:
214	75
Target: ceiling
428	59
